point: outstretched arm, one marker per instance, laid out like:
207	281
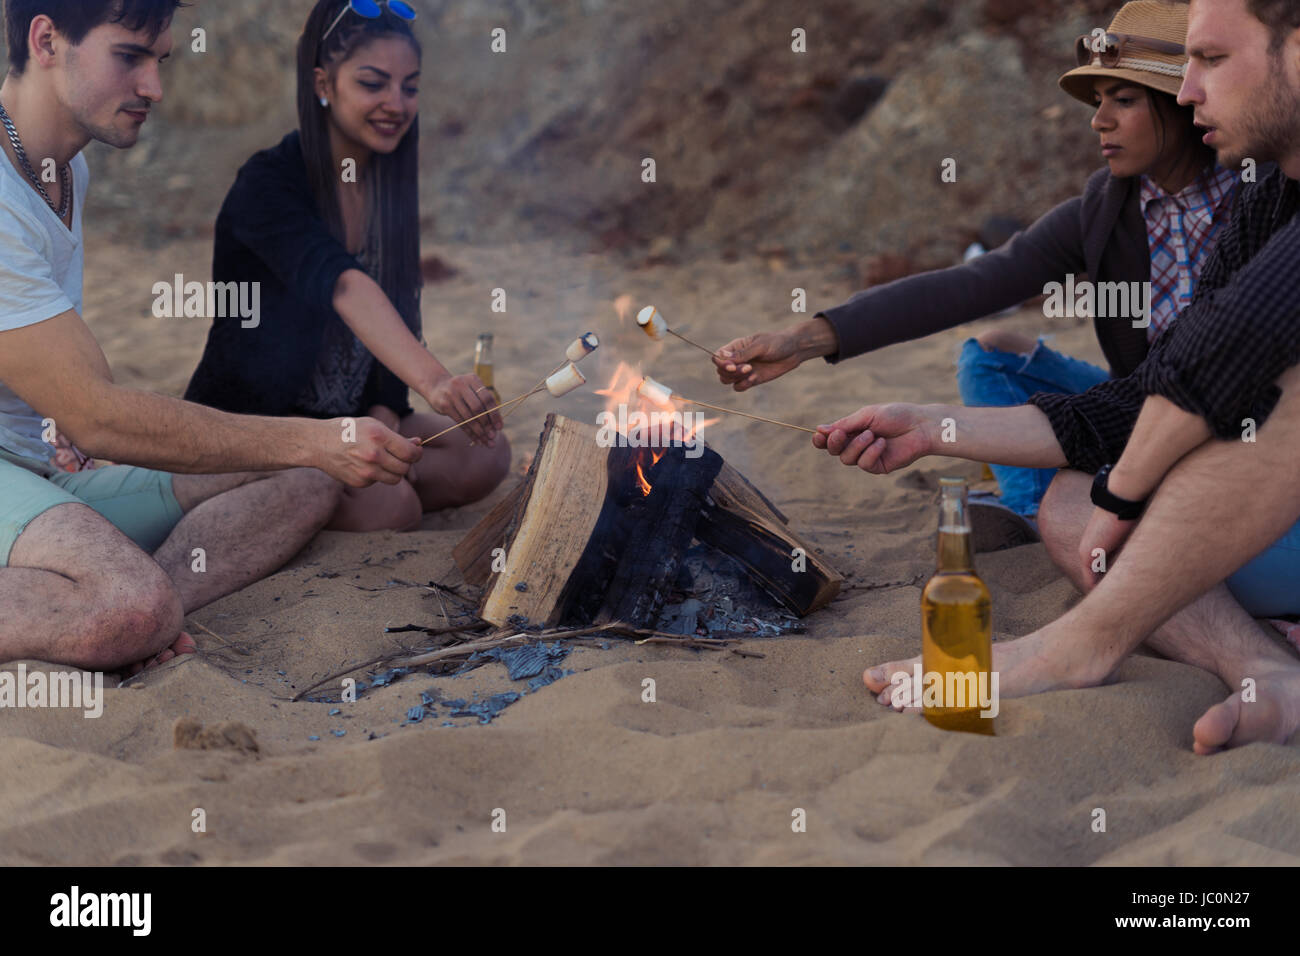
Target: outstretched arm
880	439
367	311
59	370
915	306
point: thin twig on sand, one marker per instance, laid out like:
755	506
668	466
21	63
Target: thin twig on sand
520	639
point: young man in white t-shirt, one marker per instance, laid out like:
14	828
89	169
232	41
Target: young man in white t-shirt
96	566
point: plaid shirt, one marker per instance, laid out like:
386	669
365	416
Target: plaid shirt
1222	358
1181	230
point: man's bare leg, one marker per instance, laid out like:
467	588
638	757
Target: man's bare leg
1214	632
248	525
78	591
1193	536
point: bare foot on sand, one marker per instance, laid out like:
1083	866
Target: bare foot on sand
1038	662
183	645
1045	661
1272	716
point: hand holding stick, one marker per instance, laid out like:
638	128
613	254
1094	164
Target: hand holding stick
496	408
561	382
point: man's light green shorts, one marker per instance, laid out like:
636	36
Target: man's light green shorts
138	502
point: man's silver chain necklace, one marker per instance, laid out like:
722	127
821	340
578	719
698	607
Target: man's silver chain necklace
64	174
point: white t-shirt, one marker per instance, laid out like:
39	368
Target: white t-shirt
41	264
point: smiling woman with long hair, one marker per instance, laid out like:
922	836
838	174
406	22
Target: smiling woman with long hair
328	223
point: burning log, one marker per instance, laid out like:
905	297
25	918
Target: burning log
739	521
596	534
586	543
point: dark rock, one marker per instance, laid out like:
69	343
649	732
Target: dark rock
857	96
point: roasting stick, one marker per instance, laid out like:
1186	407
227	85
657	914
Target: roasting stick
561	382
653	324
498	408
663	395
578	350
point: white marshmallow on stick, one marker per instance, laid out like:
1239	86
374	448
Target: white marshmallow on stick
653	391
578	349
654	325
565	381
582	346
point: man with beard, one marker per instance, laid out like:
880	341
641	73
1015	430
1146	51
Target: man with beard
1193	454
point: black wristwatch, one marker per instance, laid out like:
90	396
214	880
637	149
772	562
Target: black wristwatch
1122	508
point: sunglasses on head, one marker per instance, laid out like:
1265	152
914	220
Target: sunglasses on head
370	9
1112	47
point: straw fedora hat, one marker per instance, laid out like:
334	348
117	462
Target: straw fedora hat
1144	44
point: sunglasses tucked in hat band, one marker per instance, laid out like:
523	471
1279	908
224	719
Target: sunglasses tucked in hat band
1110	50
1145	45
370	9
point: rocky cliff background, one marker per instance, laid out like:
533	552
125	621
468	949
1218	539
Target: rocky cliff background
759	150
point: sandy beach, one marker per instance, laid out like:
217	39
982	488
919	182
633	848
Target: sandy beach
777	172
584	770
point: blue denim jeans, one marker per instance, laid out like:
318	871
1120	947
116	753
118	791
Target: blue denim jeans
1266	586
1269	585
1000	379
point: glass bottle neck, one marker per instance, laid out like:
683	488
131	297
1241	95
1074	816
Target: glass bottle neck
955	553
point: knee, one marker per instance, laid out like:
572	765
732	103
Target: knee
1004	340
1058	515
404	511
138	614
487	472
496	465
316	491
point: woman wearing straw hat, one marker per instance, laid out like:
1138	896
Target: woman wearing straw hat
1153	214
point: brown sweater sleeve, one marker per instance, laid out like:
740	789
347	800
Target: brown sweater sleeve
919	305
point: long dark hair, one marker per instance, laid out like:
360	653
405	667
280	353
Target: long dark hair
394	178
1166	110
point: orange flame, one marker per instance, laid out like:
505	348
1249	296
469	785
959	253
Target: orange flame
623	306
622	390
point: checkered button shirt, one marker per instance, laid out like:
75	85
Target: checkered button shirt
1222	358
1181	232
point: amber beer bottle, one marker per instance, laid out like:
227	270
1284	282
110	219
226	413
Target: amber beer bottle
483	365
956	621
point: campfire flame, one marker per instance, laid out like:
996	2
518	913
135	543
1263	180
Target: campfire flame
623	306
622	390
